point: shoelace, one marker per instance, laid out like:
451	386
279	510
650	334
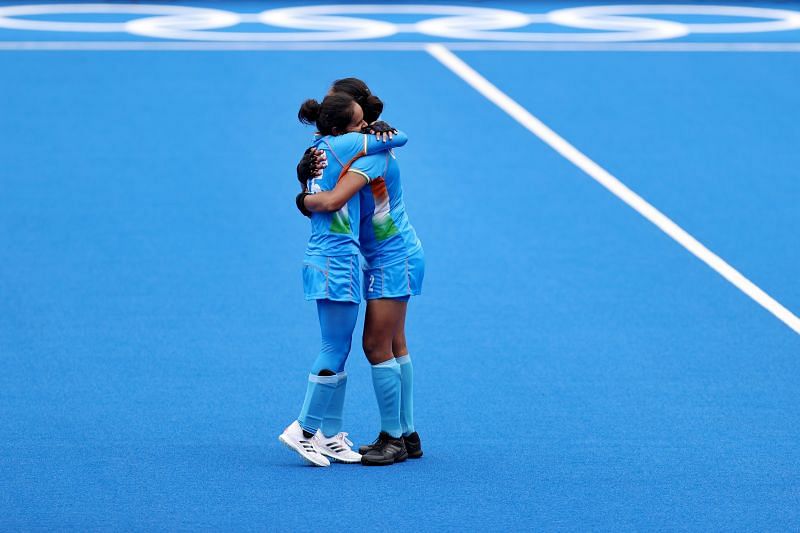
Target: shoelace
343	437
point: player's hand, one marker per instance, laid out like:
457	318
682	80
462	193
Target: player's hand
380	129
311	165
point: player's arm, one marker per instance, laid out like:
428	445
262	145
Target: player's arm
380	129
328	201
373	145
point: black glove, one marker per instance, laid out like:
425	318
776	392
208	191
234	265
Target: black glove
310	166
378	126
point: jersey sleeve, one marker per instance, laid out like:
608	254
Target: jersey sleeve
370	166
374	146
350	146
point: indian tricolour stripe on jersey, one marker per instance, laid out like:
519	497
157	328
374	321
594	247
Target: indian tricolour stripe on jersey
382	222
340	221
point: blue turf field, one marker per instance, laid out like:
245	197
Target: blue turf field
576	369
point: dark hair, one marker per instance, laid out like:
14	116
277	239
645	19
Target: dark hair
370	104
335	112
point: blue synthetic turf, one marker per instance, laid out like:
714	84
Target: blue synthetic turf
575	368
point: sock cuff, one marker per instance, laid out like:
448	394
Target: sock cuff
391	363
403	359
326	380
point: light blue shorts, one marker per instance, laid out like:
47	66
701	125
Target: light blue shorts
399	280
332	278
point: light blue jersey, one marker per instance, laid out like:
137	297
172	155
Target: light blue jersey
337	234
386	236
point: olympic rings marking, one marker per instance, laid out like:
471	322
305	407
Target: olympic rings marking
585	17
612	23
176	27
9	14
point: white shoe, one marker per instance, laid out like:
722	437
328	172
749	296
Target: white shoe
336	447
293	438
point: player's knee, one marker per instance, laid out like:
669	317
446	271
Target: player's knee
368	345
399	347
374	345
326	365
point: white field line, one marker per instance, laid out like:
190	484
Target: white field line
367	46
615	186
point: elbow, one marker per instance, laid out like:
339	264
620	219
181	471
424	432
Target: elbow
400	138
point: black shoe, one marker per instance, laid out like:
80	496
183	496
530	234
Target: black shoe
413	446
388	450
377	443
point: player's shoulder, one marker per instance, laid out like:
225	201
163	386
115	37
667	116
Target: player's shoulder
370	165
372	159
347	145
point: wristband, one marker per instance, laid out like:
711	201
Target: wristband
300	201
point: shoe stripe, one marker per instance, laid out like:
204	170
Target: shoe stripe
313	457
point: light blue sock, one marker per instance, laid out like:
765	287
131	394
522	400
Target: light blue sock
332	423
318	396
407	394
386	381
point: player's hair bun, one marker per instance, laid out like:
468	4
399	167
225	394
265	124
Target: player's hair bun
309	111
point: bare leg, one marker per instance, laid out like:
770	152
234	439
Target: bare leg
399	346
383	319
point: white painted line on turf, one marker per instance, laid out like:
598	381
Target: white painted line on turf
623	47
388	46
614	185
198	46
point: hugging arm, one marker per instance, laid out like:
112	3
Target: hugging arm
315	160
328	201
373	145
350	183
386	137
379	129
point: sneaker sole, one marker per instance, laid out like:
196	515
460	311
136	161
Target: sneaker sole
339	460
292	447
376	463
398	459
415	455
